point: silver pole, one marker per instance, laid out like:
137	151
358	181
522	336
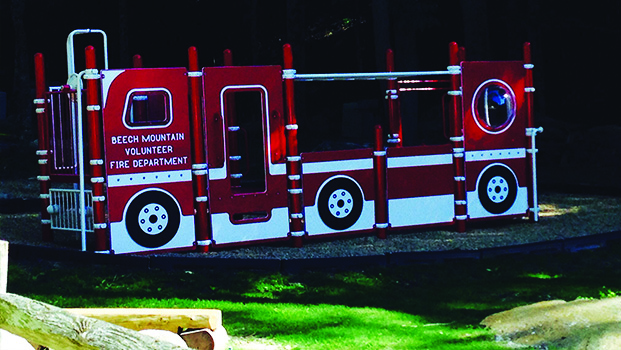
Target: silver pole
81	205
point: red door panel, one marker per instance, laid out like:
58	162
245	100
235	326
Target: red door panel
148	159
495	120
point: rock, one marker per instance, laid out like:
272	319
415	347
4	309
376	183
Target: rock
576	325
206	339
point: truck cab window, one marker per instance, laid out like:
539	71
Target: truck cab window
148	108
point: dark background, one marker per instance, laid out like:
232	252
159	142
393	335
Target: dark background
574	52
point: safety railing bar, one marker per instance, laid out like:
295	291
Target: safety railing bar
362	76
81	158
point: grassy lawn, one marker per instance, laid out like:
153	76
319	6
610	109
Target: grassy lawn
436	306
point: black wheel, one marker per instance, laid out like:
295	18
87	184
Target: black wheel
152	219
340	203
497	189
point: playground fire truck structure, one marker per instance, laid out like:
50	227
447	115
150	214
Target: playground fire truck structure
158	158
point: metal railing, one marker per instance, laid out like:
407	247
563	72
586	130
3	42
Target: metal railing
65	210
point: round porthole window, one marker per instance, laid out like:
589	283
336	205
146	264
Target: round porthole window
493	106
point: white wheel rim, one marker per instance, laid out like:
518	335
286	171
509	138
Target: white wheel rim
340	203
497	189
153	219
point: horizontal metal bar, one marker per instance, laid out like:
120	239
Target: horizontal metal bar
365	76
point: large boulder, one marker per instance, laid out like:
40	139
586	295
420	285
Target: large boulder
575	325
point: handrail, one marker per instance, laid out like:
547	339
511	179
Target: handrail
291	74
71	57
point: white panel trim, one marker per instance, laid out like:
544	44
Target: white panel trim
496	154
278	169
337	166
421	210
426	160
152	178
122	243
217	173
224	231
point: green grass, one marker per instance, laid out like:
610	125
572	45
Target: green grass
436	306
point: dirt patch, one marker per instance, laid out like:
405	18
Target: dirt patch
556	324
562	216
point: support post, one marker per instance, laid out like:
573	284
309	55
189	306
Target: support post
395	134
199	163
137	61
96	154
228	57
457	138
381	198
297	228
43	152
531	133
528	86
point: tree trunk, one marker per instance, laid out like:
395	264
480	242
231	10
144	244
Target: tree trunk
166	319
381	33
20	103
476	32
124	55
55	328
255	40
406	59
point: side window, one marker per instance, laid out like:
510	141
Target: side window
494	106
244	110
148	108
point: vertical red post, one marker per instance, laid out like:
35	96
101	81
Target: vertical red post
457	137
395	134
528	83
228	57
199	162
137	61
43	151
294	161
462	54
93	116
530	133
381	198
